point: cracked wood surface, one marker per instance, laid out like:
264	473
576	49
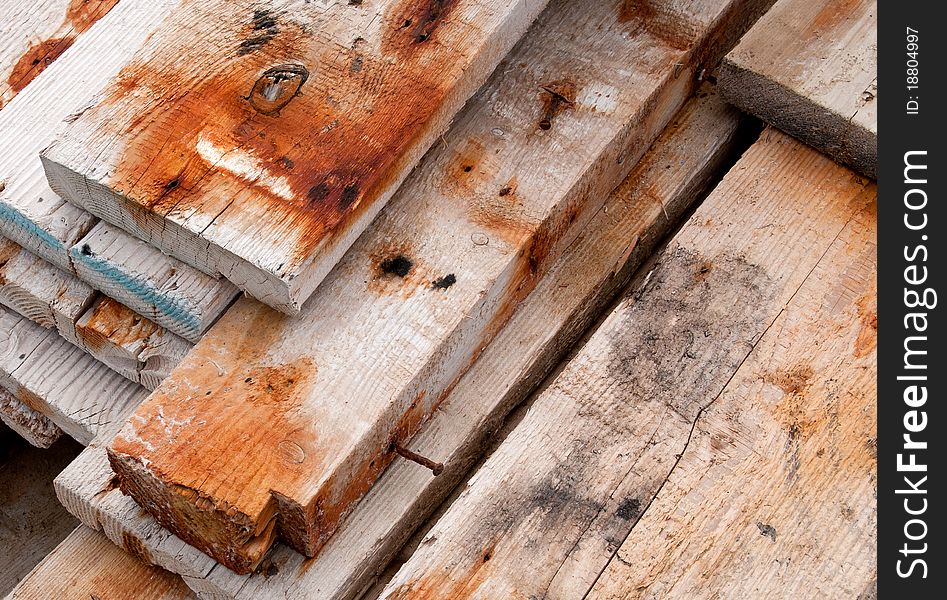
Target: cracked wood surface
810	68
436	277
86	565
601	440
689	153
267	151
31	214
32	426
53	377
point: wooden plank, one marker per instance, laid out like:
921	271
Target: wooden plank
112	333
32	215
634	218
32	426
156	286
52	376
810	68
34	34
32	521
601	439
419	297
86	565
304	121
781	467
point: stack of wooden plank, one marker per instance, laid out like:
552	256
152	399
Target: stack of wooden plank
426	205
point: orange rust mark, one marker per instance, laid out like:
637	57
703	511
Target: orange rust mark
660	20
556	97
703	270
320	159
394	269
82	14
457	583
112	322
868	332
413	23
464	173
831	14
795	381
30	399
133	546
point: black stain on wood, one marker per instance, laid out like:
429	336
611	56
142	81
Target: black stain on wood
399	265
265	28
630	508
766	530
442	283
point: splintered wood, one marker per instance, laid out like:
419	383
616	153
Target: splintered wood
742	366
810	68
262	151
277	426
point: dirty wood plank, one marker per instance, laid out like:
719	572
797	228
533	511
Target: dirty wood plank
774	494
418	298
156	286
87	565
41	292
32	426
52	376
34	34
32	521
32	215
635	216
112	333
600	441
304	120
810	68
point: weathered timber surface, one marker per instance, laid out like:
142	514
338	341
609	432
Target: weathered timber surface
110	332
32	426
410	308
262	151
810	68
53	377
156	286
617	239
34	34
31	214
32	521
600	441
87	565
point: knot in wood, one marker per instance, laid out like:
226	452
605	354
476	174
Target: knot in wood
276	87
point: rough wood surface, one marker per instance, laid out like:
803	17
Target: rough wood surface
156	286
635	216
275	134
810	68
548	510
52	376
34	34
32	426
32	521
32	215
86	565
410	308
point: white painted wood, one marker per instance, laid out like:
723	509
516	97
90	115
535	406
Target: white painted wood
156	286
86	565
634	218
810	67
32	426
52	376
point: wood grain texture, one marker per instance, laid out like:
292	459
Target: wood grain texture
32	215
156	286
774	495
635	216
810	68
273	135
87	565
413	304
32	426
52	376
34	34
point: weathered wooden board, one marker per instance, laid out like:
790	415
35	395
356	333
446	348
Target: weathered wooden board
52	376
156	286
32	426
663	184
271	143
87	565
547	511
810	68
34	34
32	215
32	521
417	299
112	333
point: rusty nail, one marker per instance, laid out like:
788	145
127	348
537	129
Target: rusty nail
435	467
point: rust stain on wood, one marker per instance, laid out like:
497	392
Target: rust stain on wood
660	20
133	546
111	321
556	97
867	338
832	14
444	583
30	399
413	24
